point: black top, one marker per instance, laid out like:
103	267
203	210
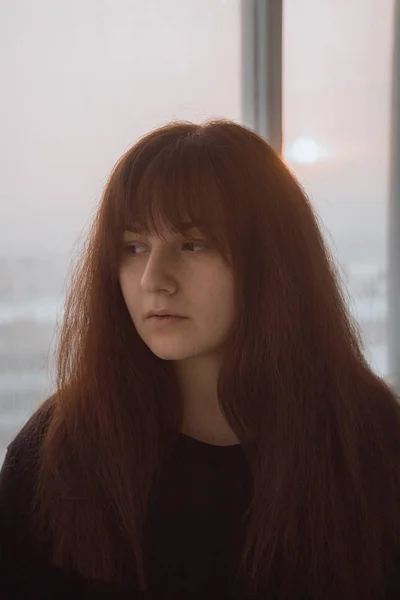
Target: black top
193	540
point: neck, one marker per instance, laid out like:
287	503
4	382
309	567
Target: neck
202	417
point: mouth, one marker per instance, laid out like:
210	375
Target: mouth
162	314
164	320
166	317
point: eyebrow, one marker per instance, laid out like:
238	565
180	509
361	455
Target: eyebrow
182	227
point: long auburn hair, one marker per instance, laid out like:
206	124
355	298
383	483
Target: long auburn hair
320	430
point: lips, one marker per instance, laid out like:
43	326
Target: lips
162	313
165	321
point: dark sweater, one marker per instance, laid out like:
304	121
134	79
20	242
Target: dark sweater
193	539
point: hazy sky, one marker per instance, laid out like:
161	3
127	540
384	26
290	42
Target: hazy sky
82	79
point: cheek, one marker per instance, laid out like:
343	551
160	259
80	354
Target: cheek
128	289
123	283
221	300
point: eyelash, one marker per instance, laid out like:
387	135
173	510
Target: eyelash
129	247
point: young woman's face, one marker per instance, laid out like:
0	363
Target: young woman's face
177	274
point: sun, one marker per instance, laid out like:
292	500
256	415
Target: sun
305	151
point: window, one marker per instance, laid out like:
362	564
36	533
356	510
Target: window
337	100
82	80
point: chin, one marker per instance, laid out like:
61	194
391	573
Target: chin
173	349
171	353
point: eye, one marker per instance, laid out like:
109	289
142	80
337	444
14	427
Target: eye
134	248
196	246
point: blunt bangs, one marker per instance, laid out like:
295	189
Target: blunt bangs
166	187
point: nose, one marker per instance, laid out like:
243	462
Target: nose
159	274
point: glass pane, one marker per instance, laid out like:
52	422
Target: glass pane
81	81
337	94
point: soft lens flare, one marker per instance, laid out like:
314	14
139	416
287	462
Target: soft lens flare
305	151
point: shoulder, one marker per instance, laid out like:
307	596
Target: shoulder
18	470
22	451
36	424
19	551
34	428
32	431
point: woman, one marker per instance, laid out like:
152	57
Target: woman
216	431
